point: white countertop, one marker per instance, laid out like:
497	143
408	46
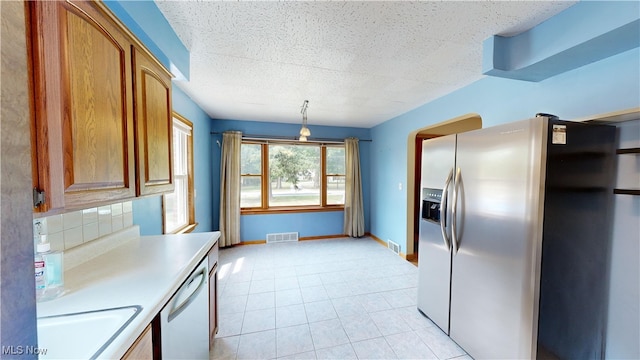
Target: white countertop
145	271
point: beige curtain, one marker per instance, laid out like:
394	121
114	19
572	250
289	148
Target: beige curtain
353	209
230	189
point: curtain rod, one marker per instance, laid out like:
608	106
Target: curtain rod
290	138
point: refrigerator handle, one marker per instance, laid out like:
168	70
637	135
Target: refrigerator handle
443	210
454	210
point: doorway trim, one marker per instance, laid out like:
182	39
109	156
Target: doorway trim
460	124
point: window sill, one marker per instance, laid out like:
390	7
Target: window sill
186	229
291	210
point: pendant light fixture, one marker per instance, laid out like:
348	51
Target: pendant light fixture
304	131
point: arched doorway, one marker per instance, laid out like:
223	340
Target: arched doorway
456	125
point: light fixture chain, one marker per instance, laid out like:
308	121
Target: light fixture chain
304	131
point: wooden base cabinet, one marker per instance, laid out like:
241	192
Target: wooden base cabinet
94	89
142	348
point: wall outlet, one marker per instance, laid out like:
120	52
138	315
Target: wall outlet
399	186
39	226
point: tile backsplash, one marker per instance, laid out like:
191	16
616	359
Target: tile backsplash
69	230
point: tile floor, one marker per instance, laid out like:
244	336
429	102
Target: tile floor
323	299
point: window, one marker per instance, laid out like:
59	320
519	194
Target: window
291	176
178	206
335	175
251	176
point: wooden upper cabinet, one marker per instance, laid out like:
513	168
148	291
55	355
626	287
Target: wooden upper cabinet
153	124
83	106
92	85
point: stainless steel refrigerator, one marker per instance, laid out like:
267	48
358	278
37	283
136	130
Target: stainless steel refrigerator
514	241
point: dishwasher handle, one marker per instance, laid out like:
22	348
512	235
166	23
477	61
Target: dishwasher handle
177	309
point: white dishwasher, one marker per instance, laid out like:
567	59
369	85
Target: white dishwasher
184	328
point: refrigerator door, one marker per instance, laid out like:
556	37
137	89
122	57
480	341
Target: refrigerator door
494	293
434	255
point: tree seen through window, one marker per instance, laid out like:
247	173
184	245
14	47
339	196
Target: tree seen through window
295	175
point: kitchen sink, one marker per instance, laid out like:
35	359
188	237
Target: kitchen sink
82	335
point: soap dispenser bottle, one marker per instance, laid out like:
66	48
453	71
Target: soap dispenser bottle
40	268
51	262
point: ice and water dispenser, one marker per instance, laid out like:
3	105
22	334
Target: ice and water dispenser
431	199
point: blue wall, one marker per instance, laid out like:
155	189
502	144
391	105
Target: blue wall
608	85
146	21
147	212
255	227
565	41
202	141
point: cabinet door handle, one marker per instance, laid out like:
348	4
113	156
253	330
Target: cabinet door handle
176	310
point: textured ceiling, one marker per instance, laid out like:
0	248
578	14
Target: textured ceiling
358	63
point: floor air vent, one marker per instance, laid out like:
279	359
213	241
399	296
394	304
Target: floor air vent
282	237
393	247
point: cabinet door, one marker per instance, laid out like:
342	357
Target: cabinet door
154	130
83	105
142	348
